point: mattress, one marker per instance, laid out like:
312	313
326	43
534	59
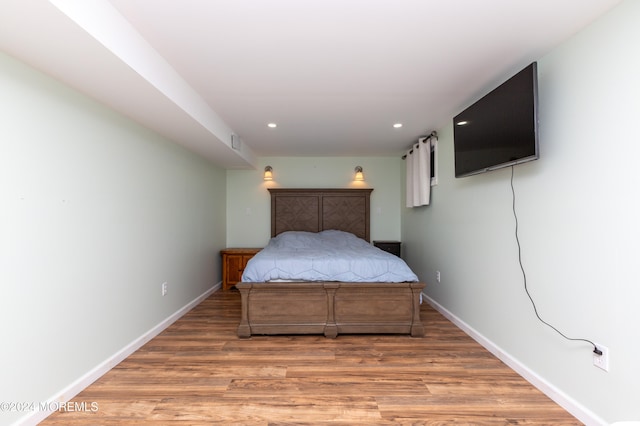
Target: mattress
325	256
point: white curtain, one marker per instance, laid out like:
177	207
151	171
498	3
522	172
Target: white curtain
419	173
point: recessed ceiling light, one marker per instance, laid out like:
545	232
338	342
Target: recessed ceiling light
462	123
397	125
272	125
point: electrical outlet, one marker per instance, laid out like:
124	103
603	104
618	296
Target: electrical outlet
601	361
164	288
438	276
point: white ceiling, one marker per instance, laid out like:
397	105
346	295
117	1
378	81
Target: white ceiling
335	75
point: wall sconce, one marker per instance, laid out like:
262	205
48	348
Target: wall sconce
359	173
268	173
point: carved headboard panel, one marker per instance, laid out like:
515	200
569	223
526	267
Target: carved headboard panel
316	210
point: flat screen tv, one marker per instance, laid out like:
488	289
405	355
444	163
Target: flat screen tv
501	129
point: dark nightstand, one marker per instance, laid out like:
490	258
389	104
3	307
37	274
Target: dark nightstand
392	247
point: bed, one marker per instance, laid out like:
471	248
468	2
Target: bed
332	304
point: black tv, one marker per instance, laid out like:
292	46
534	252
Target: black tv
501	129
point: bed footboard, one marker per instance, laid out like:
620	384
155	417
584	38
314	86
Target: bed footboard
330	308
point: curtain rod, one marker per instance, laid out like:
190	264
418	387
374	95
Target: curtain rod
433	134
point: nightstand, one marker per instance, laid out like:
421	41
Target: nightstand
392	247
234	260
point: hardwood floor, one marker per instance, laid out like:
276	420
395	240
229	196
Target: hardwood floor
198	372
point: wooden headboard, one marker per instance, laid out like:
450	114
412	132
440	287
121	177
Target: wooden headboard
316	210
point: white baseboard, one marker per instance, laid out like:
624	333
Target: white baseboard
562	399
91	376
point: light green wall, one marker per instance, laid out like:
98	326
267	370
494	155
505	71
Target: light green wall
578	216
96	213
248	200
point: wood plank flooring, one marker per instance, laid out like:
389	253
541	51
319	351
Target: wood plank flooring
197	372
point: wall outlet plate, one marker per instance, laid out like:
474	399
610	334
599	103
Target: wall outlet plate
601	361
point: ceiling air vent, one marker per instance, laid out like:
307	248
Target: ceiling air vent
235	142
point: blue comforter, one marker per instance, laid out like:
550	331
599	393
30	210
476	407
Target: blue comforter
325	256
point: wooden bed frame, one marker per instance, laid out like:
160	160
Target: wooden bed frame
327	308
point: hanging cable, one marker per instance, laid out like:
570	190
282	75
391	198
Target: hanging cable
524	275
